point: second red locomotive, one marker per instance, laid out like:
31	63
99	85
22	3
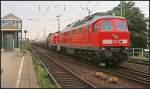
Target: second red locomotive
97	38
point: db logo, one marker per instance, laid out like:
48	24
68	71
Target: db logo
116	36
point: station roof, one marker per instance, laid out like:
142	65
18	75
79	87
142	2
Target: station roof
10	16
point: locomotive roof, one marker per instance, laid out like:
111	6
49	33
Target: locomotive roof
88	20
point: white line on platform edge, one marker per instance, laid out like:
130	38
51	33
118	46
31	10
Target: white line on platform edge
19	73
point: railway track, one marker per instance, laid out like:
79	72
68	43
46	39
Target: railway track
62	76
139	62
124	72
131	74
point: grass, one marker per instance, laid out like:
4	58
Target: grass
26	46
41	73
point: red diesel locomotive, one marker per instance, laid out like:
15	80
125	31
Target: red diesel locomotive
97	38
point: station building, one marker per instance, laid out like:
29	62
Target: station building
11	32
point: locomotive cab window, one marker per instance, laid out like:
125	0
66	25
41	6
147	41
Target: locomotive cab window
107	25
121	25
96	27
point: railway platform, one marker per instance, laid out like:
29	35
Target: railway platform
17	70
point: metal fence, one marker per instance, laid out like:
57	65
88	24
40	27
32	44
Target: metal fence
139	52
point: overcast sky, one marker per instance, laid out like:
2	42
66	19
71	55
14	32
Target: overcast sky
43	13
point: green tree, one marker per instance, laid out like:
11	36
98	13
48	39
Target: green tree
135	20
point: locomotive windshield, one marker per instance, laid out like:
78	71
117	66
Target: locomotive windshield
107	25
121	25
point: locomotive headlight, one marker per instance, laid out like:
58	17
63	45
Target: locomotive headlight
123	41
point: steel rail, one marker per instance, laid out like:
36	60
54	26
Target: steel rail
33	51
132	74
139	62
